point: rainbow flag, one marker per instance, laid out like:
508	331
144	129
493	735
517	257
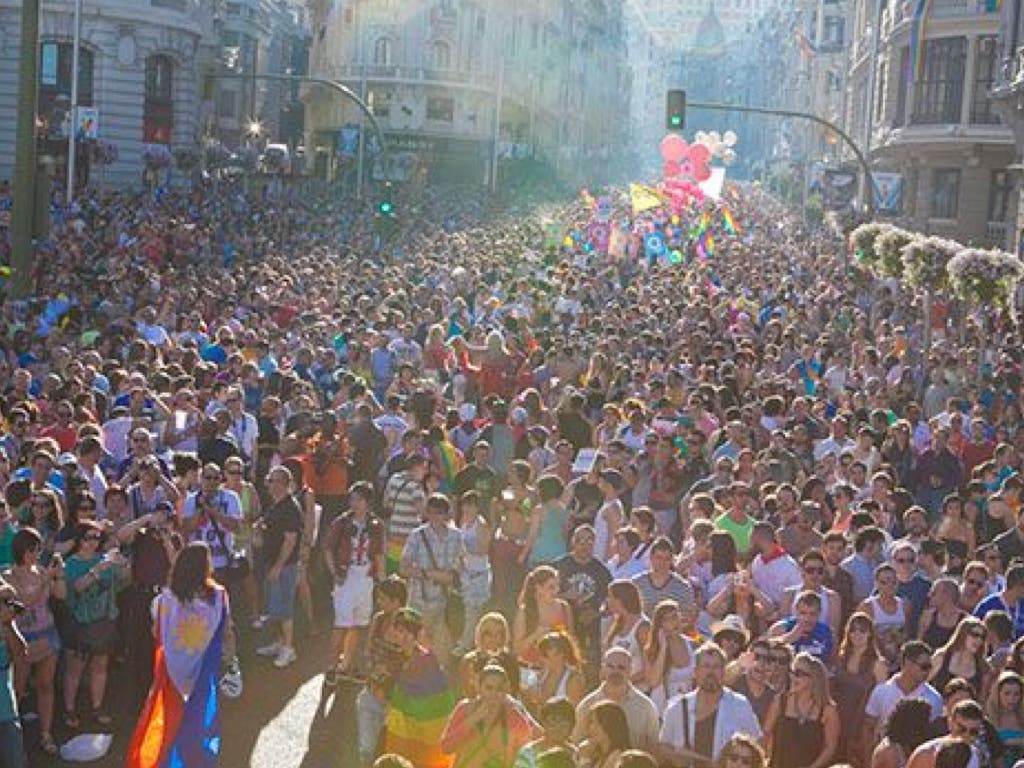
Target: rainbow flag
180	724
993	6
420	704
919	25
451	464
729	222
393	553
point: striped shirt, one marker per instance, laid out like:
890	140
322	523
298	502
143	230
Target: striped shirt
676	588
404	497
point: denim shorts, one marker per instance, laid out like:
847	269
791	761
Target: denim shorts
281	594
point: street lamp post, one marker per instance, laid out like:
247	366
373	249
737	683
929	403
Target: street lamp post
23	214
76	49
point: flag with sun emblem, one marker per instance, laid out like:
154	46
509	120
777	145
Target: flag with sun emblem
180	724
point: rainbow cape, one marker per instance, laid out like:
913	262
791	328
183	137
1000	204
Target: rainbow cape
180	724
393	553
418	711
729	222
451	463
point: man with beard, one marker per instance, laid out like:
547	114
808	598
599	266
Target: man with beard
698	724
641	714
584	581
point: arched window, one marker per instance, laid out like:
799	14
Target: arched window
158	107
442	55
382	52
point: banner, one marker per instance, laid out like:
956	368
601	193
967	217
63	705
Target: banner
644	198
838	188
88	124
712	187
599	235
654	245
888	192
348	141
552	235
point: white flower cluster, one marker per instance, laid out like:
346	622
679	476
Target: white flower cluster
985	276
925	260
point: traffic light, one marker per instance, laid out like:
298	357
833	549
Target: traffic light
675	110
385	207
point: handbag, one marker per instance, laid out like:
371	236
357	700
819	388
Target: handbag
238	567
454	607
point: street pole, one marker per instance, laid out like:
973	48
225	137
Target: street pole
869	113
23	213
76	49
499	98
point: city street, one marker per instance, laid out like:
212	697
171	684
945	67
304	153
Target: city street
285	719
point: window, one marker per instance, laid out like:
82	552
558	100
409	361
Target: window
945	202
833	32
442	55
938	96
55	60
985	71
380	103
441	108
158	107
998	196
901	90
227	104
382	52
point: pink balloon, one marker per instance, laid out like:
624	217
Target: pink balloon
673	148
671	169
699	154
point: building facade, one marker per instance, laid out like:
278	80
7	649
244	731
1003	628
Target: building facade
262	37
461	89
139	67
1008	101
928	120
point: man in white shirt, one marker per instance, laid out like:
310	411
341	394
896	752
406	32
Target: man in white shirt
681	741
772	569
641	714
837	442
213	514
244	429
90	452
909	683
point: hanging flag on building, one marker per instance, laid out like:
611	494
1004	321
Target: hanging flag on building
919	24
805	46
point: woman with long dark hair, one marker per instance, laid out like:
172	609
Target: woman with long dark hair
540	611
607	734
906	729
630	629
190	616
859	668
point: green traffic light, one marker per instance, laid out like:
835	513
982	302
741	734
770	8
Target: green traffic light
385	208
677	120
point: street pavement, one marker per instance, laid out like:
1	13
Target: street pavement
284	719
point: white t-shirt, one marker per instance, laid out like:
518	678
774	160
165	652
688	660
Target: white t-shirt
231	506
776	576
887	695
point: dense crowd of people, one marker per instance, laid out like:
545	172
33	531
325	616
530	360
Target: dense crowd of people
557	508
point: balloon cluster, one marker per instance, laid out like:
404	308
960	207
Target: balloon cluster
719	145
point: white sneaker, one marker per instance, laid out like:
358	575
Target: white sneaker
285	657
269	650
231	682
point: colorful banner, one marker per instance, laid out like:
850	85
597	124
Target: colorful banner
919	24
654	244
644	198
618	242
599	235
888	192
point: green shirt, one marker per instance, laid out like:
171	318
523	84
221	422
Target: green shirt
99	600
740	532
6	539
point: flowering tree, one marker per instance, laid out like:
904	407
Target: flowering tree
985	277
889	248
864	241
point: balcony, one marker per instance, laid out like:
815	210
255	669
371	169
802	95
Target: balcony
485	81
903	13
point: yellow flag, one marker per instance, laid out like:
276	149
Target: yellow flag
644	198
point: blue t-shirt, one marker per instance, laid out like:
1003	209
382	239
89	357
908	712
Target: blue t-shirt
995	603
819	644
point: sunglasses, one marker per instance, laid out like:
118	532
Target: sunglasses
93	537
904	559
975	582
814	569
234	472
211	477
617	667
924	665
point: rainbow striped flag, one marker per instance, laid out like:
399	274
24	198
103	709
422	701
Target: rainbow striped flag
180	724
420	704
993	6
729	222
451	464
915	63
393	553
